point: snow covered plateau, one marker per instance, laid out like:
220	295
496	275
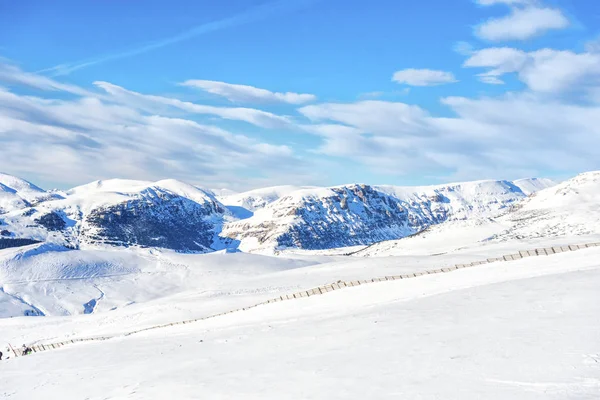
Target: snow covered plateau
113	257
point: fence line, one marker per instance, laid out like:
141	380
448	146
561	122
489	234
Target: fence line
326	289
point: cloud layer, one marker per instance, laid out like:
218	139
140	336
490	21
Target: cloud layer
423	77
521	24
248	94
547	70
130	135
549	121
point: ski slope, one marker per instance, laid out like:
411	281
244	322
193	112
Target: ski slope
524	329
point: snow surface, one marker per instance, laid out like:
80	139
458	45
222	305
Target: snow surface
532	185
569	209
112	191
259	198
525	329
17	193
24	188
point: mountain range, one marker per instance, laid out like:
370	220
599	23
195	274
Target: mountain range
175	215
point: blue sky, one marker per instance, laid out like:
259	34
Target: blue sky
248	93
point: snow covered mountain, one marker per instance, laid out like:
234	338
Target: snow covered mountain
532	185
360	214
260	198
169	214
178	216
571	208
17	193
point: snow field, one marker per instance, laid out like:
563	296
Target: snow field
335	286
524	329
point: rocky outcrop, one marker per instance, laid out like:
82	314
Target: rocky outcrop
175	215
362	214
51	221
6	243
155	219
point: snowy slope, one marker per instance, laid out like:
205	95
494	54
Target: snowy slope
17	193
532	185
360	214
521	330
54	281
10	200
166	213
569	209
21	187
259	198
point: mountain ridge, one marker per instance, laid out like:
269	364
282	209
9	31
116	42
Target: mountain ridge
176	215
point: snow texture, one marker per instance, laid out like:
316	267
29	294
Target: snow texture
519	330
524	329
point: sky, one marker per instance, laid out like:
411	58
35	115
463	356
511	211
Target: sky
242	94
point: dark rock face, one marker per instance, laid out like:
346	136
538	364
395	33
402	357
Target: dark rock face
52	221
4	232
159	220
29	213
8	243
342	216
357	215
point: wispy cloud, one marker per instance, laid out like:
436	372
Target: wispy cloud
546	71
74	139
522	24
12	75
423	77
254	14
153	103
248	94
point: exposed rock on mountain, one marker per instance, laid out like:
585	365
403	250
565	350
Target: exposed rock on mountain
178	216
167	214
361	214
156	218
51	221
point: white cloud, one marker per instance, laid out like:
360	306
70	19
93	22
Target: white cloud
11	74
73	141
554	71
502	60
521	24
382	117
546	71
248	94
82	140
14	76
155	103
504	136
423	77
